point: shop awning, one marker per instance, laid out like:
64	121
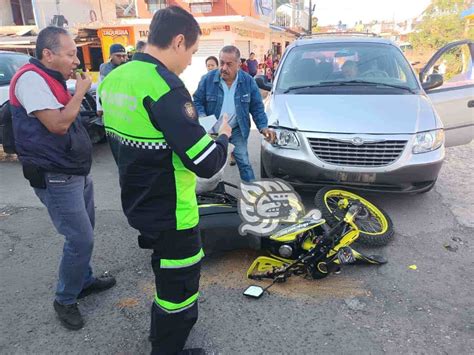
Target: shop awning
277	28
28	42
82	44
17	40
284	29
17	46
17	30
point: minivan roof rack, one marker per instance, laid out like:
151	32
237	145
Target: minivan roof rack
368	34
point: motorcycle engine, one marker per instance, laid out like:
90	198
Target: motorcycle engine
285	251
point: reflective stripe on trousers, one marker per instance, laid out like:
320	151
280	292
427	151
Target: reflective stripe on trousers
176	263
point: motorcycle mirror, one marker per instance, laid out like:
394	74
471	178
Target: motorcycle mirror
254	291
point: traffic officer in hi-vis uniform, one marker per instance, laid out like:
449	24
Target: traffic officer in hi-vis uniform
159	147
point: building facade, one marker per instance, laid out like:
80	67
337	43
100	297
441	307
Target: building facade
42	13
243	23
247	24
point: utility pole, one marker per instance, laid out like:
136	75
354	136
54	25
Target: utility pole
310	20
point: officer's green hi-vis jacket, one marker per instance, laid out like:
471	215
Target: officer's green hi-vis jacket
158	144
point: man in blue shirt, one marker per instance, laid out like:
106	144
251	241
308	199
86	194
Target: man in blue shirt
232	91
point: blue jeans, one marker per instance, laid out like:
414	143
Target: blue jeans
241	155
70	203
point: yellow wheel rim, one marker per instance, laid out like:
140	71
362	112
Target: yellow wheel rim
378	223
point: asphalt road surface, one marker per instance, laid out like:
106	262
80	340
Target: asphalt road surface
389	309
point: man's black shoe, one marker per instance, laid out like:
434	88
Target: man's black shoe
99	285
69	315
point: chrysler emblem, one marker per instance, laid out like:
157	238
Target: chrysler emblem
357	141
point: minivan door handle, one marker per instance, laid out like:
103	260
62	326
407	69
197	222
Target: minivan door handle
470	104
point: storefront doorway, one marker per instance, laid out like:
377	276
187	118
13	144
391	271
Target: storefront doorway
209	47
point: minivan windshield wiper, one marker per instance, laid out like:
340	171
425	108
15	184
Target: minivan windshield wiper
363	82
291	88
347	83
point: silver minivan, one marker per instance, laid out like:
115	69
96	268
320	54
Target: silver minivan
350	110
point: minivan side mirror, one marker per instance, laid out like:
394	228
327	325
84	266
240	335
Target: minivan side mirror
432	81
263	83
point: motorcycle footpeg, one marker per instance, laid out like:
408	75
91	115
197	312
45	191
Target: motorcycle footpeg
346	256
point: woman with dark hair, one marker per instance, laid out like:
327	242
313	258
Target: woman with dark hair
211	63
243	65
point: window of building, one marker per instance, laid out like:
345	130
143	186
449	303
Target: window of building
155	5
125	8
204	8
22	11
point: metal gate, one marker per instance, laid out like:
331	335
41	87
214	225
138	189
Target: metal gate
244	47
210	47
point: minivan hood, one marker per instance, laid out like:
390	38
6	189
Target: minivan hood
371	114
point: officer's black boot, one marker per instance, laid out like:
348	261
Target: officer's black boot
69	315
192	351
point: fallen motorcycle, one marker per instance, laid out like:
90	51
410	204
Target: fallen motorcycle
314	248
311	247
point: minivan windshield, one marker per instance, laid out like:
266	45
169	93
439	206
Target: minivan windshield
378	66
9	64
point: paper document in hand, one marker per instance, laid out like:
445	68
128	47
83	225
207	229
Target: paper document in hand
232	121
208	122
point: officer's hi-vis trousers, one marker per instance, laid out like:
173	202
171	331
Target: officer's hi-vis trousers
176	263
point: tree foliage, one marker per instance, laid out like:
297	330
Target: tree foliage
441	24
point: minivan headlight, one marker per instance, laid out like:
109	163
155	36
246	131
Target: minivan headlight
428	141
286	139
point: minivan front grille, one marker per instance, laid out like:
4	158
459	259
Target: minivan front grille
348	154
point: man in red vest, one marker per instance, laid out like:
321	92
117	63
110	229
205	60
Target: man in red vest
56	154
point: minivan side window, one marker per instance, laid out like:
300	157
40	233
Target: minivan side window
456	67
